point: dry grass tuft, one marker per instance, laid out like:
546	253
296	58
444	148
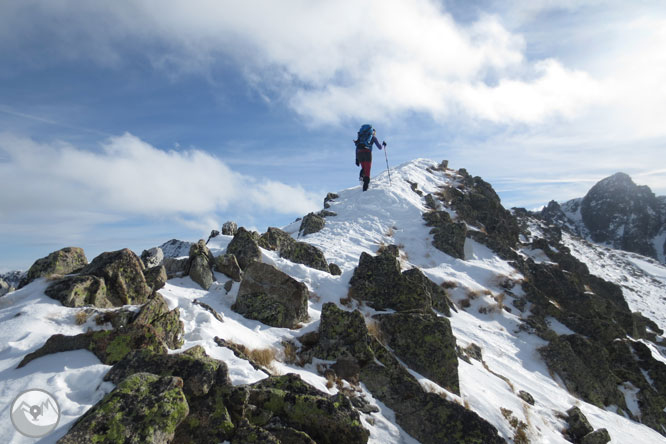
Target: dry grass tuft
290	352
81	317
375	331
262	356
347	302
447	285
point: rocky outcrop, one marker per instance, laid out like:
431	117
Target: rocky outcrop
122	272
229	228
424	342
200	265
448	236
245	246
152	257
379	282
156	277
342	334
142	408
228	265
581	432
65	261
272	297
295	251
311	223
79	291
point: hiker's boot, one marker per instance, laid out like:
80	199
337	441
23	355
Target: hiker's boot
366	182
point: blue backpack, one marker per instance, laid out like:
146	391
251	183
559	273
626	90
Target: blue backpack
364	139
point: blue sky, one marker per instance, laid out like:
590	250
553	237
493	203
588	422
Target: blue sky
128	123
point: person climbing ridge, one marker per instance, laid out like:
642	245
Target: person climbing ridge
367	137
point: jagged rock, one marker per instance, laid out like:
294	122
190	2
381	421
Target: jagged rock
430	202
553	214
427	417
272	297
65	261
584	368
249	434
229	228
213	234
228	265
79	291
167	324
156	277
175	248
425	343
200	265
110	346
287	434
335	269
326	419
579	426
311	223
175	267
329	198
448	236
525	396
152	257
4	287
619	212
122	272
245	247
379	282
142	408
298	252
342	334
600	436
198	371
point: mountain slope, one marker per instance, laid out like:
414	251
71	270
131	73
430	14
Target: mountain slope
499	327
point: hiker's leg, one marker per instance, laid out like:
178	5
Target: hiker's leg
366	182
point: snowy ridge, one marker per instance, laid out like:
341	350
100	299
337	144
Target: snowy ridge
385	214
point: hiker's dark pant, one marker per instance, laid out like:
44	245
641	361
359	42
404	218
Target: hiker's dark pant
364	156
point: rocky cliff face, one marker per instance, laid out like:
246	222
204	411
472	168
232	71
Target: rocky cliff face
618	213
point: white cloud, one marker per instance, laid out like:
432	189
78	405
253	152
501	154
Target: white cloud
329	61
128	178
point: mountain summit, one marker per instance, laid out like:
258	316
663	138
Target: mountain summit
419	311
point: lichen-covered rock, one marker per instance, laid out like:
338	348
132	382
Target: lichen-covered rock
247	433
198	371
228	265
425	343
200	266
448	236
175	267
245	246
326	419
335	269
342	334
65	261
599	436
584	369
229	228
110	346
79	291
579	426
122	272
167	324
272	297
288	248
311	223
379	282
156	277
152	257
144	408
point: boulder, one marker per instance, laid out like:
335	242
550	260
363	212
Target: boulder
579	426
229	228
167	324
213	234
245	247
342	334
79	291
297	252
228	265
198	371
4	287
425	343
156	277
335	269
272	297
175	267
329	198
122	272
143	408
311	223
65	261
448	236
379	282
200	265
599	436
152	257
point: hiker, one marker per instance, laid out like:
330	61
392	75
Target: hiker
367	136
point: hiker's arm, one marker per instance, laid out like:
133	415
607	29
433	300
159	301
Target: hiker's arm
376	142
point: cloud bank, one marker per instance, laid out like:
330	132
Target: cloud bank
127	177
